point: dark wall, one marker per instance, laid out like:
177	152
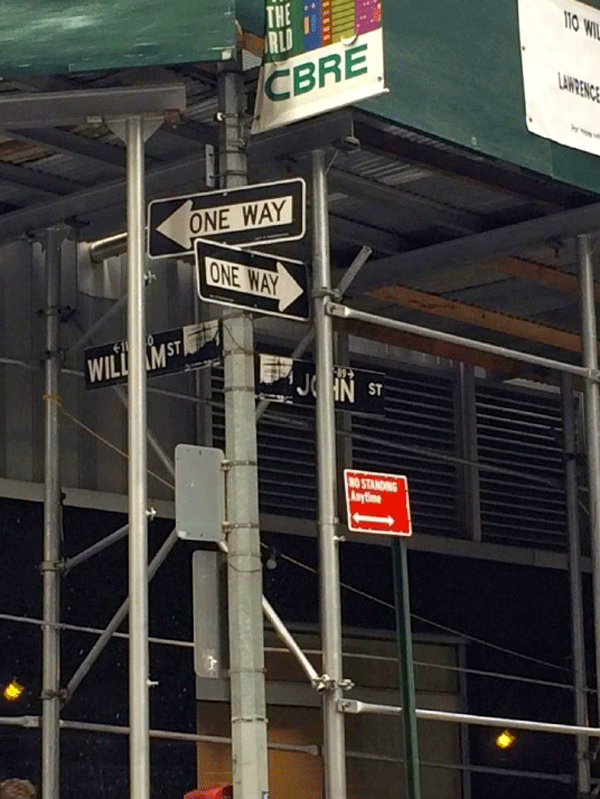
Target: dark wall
512	607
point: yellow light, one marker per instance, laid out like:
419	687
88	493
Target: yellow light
13	690
505	739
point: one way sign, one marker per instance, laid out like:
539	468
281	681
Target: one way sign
252	280
268	212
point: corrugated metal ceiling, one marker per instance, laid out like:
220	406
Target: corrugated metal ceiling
407	202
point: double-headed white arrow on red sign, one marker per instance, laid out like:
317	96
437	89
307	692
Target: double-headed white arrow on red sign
358	518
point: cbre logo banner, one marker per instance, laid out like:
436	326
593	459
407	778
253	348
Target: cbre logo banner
319	55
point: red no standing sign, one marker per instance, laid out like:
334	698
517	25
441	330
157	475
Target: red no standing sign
377	503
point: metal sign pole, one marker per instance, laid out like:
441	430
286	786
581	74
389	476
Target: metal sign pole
139	749
574	559
246	639
410	741
592	419
52	526
331	606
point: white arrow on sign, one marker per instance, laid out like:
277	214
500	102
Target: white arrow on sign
358	517
279	286
186	223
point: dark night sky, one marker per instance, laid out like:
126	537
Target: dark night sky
520	608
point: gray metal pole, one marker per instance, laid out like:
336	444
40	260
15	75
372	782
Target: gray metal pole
410	738
574	555
139	746
592	421
52	526
246	638
331	605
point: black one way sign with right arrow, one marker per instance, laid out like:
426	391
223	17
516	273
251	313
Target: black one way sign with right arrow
255	281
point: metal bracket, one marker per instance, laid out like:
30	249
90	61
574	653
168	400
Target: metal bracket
230	389
52	566
46	695
227	464
318	294
326	683
347	705
151	514
229	526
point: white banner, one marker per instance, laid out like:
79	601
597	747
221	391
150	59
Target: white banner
560	55
318	56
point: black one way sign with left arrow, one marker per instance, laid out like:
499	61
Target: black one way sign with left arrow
268	212
255	281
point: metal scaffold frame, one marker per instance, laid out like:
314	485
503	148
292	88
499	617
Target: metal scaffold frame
249	723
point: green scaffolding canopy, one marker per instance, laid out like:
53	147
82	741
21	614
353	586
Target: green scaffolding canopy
50	37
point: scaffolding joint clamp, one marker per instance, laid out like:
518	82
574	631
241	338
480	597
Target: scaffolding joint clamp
46	694
327	683
331	293
227	464
321	683
229	526
151	514
52	566
347	705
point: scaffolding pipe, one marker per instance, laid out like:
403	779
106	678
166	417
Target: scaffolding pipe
139	747
576	594
329	573
592	421
51	565
170	735
99	251
343	312
32	367
355	706
99	546
19	721
309	749
117	619
287	638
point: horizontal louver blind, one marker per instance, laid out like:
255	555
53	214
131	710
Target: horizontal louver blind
419	422
521	431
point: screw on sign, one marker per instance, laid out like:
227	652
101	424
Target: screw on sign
377	503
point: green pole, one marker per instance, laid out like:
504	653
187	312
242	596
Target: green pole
410	740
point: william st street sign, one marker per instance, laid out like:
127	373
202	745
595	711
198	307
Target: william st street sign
171	351
264	212
255	281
